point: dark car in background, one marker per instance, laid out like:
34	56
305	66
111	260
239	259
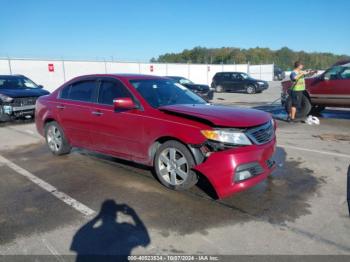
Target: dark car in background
278	74
18	95
237	82
203	91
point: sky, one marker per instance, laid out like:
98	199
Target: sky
137	30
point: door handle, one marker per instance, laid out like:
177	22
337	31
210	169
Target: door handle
97	113
60	107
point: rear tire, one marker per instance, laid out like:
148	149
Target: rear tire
56	140
317	109
173	166
305	107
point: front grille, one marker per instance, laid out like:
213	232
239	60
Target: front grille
270	163
256	170
262	134
23	101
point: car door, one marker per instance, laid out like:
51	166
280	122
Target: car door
73	108
114	132
237	82
332	88
227	81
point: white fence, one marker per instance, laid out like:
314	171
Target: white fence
52	73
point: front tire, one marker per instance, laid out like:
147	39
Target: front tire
56	140
173	166
250	89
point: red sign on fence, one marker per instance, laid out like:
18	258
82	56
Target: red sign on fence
51	68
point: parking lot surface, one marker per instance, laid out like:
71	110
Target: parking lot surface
64	205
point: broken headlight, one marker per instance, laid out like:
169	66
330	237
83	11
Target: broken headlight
5	98
227	136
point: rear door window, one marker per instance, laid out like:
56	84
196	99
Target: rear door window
110	90
65	92
81	91
235	77
226	76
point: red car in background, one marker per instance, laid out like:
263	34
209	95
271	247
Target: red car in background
157	122
332	88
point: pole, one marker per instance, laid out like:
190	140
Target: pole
10	67
64	71
188	70
260	71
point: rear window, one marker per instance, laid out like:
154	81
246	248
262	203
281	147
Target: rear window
80	91
223	75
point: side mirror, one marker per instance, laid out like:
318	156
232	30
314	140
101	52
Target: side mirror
123	103
40	86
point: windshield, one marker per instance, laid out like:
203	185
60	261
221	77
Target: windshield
185	81
15	82
245	76
163	92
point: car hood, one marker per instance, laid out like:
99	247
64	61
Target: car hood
29	92
220	116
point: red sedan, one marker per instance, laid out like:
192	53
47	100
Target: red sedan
157	122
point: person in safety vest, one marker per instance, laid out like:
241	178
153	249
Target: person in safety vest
297	89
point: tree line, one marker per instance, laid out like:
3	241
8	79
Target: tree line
283	58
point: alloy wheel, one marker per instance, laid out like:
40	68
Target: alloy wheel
54	138
173	166
250	90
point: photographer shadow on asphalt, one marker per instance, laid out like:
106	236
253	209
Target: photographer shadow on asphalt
105	239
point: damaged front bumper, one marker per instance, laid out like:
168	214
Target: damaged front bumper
22	108
234	170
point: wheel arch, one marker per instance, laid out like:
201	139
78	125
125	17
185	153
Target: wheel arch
161	140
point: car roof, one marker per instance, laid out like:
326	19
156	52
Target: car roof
121	76
342	63
230	73
14	76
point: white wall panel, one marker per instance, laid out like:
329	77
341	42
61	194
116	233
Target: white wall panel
242	68
178	70
38	71
123	68
153	69
4	67
213	69
263	72
77	68
199	74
